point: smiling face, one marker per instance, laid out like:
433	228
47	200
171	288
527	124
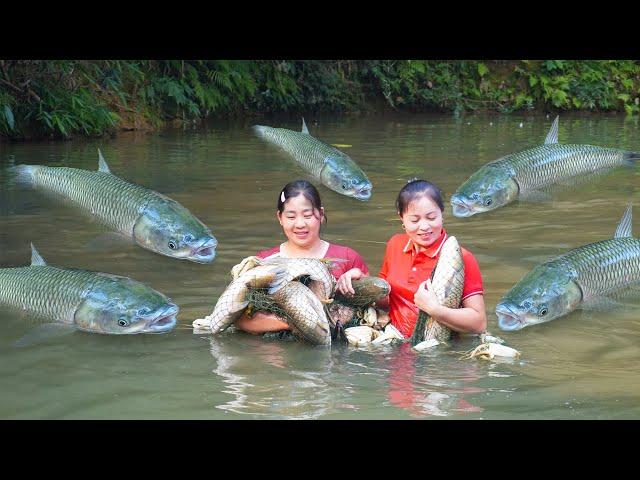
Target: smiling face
422	221
300	221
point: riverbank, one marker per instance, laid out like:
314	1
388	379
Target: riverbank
64	99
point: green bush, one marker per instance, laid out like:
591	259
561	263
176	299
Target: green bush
63	98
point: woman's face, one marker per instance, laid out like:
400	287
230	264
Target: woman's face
300	222
423	221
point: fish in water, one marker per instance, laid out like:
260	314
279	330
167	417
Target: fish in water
154	221
447	282
521	174
82	300
582	277
333	168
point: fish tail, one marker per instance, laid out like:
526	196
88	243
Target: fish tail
630	158
25	174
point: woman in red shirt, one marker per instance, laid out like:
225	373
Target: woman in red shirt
300	213
409	260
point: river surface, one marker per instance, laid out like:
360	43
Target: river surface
583	366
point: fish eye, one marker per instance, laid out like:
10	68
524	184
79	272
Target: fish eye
172	245
188	238
123	322
488	202
543	311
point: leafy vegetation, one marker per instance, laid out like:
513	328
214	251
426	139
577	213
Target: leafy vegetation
64	98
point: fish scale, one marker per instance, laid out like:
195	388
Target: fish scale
47	291
307	150
605	266
116	202
546	164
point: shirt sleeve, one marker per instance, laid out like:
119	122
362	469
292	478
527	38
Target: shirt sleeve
472	276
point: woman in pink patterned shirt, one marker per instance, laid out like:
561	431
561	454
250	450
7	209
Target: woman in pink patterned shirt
301	214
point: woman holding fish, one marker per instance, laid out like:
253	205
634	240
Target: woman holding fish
300	213
411	257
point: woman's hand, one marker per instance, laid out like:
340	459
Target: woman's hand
426	300
344	282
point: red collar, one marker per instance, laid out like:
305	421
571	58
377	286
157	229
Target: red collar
431	251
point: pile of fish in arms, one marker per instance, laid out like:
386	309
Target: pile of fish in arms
302	291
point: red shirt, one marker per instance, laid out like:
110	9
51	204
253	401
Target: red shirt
353	258
405	269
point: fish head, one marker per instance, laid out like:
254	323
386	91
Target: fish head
487	189
125	306
342	175
167	228
545	293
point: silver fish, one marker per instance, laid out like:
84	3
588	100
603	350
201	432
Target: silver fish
154	221
88	301
447	282
581	277
521	174
333	168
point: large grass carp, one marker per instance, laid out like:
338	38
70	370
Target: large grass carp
327	164
581	277
447	282
233	301
319	278
308	319
521	174
83	300
154	221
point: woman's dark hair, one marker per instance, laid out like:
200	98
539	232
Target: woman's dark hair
414	189
297	187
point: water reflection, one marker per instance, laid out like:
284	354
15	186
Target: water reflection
265	379
432	384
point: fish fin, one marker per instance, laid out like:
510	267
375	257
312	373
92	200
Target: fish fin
624	227
630	158
36	258
24	173
278	282
535	196
102	163
552	136
304	127
109	241
43	333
